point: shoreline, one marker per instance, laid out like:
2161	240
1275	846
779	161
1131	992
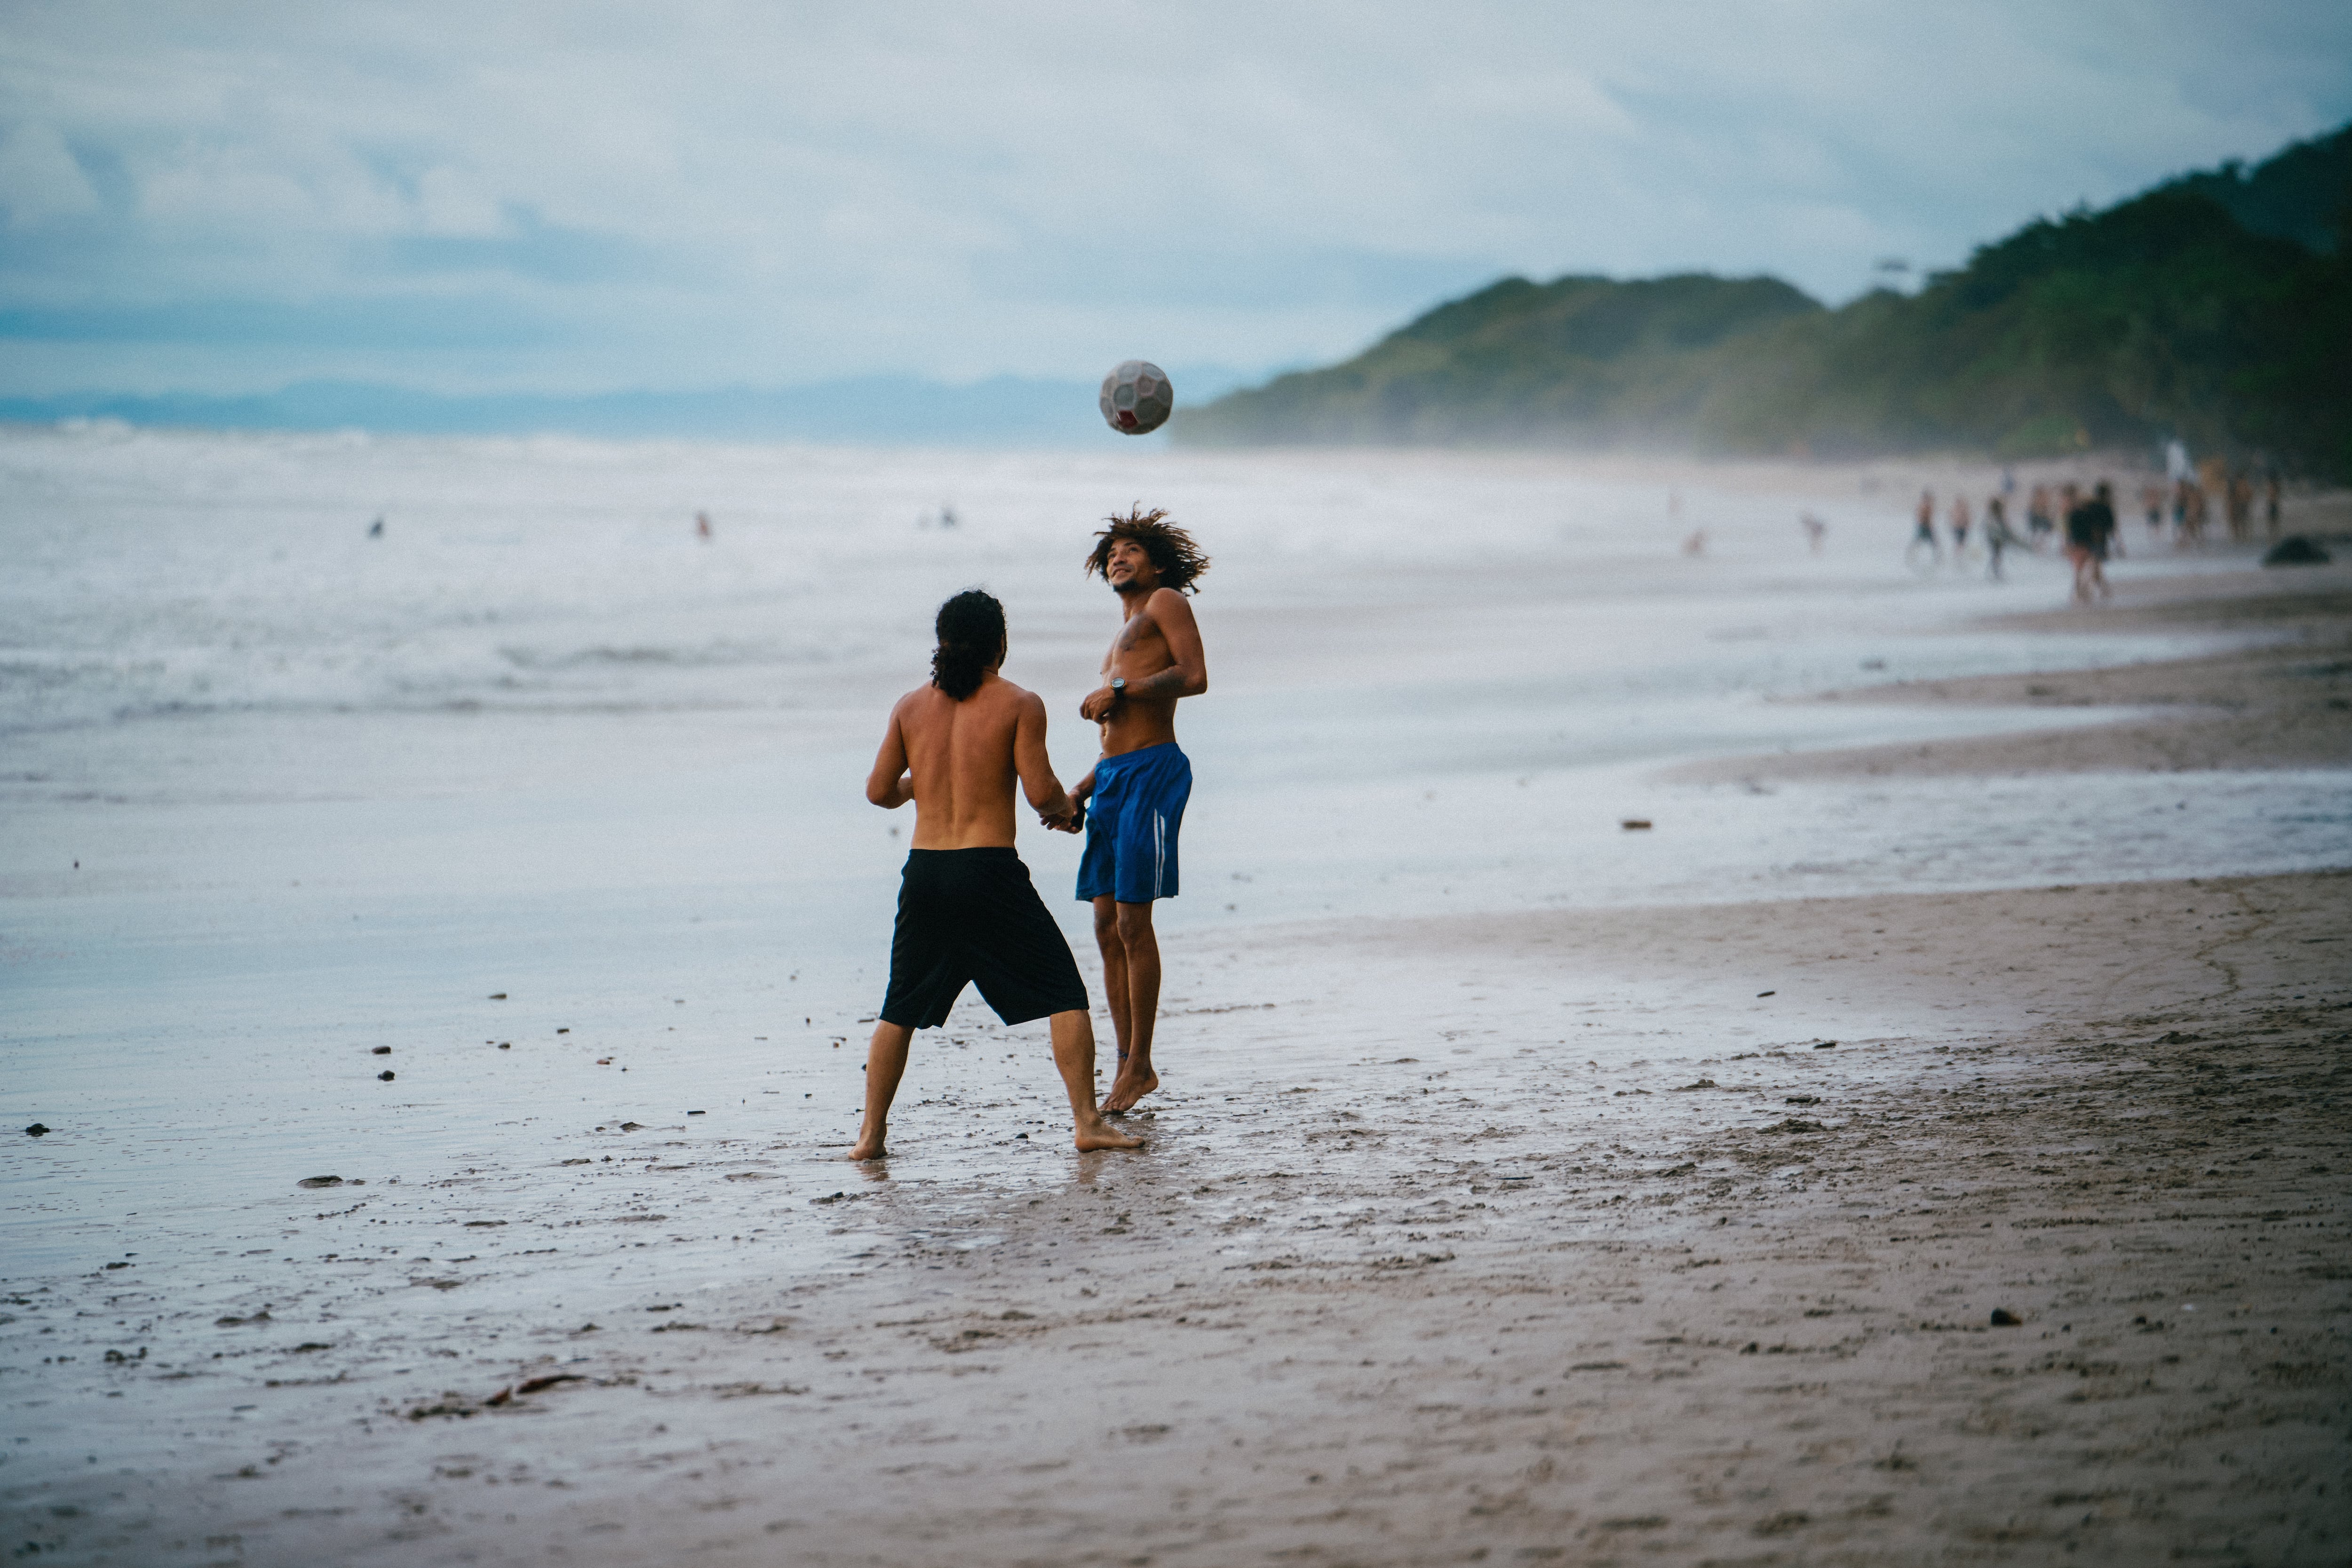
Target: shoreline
2283	701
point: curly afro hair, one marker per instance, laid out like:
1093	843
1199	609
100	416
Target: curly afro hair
1174	556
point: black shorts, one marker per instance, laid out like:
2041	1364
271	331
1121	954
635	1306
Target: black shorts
972	916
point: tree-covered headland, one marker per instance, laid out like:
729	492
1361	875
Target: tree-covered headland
2216	307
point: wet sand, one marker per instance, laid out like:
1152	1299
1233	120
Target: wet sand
1404	1279
2284	703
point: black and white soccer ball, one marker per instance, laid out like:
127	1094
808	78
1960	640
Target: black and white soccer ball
1137	398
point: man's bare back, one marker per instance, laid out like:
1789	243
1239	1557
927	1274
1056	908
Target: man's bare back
957	761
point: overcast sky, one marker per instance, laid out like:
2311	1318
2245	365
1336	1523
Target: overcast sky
587	196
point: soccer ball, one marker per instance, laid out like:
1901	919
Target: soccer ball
1137	398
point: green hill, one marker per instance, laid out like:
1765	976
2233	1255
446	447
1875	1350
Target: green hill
2218	306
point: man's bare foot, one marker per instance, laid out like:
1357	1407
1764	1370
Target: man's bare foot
1126	1090
1098	1136
867	1147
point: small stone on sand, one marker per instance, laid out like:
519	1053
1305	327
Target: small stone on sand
2003	1318
385	1075
381	1051
37	1131
319	1182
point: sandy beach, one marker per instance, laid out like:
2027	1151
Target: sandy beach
1566	1206
1444	1292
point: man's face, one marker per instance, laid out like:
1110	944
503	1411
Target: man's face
1128	568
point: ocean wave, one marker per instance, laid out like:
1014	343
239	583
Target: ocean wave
707	656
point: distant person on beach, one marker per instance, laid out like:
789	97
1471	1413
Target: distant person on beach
1924	533
2151	503
702	525
1696	545
2037	515
2241	503
1134	796
1959	525
2212	489
2188	508
1815	530
2270	503
967	911
1998	537
2090	533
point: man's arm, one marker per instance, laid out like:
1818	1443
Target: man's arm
890	785
1187	674
1054	808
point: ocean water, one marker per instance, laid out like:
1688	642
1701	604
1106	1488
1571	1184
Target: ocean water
278	792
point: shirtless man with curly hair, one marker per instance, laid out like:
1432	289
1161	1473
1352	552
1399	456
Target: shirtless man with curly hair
1135	794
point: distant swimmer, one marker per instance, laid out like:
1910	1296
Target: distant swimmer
1135	793
968	913
1815	530
702	525
375	529
1696	545
1923	533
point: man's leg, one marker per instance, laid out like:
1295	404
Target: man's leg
885	1063
1074	1055
1140	948
1114	962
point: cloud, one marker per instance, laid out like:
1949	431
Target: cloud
39	181
708	192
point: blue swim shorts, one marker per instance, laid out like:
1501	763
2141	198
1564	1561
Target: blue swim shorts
1131	823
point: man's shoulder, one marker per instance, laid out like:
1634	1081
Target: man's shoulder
1018	697
997	694
1167	604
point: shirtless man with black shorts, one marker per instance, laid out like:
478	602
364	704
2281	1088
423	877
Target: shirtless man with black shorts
1135	793
967	911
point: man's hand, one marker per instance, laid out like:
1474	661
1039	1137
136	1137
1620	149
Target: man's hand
1071	821
1098	704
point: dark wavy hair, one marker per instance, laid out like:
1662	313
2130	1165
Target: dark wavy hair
970	628
1174	556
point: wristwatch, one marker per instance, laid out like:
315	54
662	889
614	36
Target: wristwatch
1118	685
